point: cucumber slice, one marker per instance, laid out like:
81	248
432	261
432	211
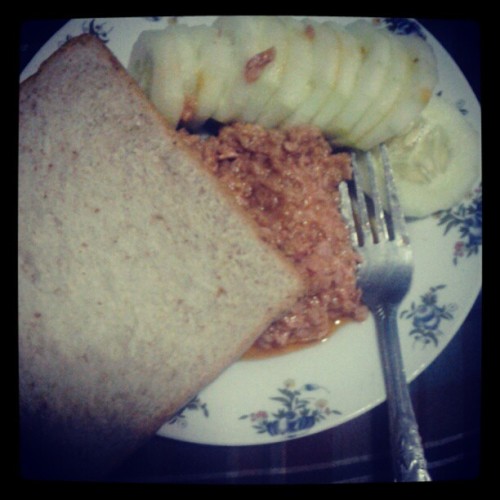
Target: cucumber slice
214	66
376	50
395	82
155	65
295	84
414	96
261	91
351	54
437	162
187	52
251	36
326	49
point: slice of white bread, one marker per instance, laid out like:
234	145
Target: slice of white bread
140	280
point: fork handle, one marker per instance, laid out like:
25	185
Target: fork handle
408	455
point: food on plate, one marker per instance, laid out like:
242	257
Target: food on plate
257	65
375	55
361	84
140	279
436	163
295	82
412	97
288	182
351	59
381	85
327	53
163	75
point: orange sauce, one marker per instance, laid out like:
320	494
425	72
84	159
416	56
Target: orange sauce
255	352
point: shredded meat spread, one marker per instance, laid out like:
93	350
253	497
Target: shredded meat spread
288	182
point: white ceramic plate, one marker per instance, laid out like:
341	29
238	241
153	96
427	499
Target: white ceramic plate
313	389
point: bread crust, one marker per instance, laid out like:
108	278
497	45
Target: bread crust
115	332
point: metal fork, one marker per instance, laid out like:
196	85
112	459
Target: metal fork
384	277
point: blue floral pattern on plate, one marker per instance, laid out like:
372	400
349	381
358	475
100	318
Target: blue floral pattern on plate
196	404
101	29
467	217
403	26
426	317
298	411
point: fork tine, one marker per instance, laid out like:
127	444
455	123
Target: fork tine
346	210
398	221
360	203
378	220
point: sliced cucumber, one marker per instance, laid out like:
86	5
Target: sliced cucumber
187	52
154	64
251	36
295	84
396	81
215	64
376	65
437	162
326	51
414	96
274	41
351	53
